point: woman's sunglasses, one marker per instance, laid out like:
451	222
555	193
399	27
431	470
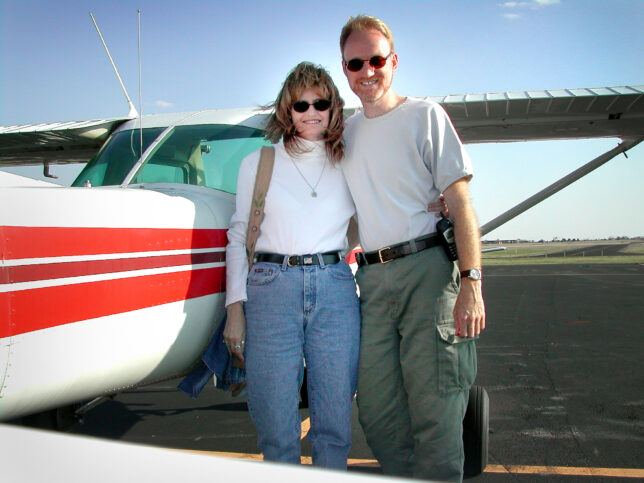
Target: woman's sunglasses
377	62
320	105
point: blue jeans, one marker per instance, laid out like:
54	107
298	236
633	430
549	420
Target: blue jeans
292	314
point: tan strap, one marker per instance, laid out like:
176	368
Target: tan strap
262	182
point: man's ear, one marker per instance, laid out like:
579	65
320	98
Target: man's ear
394	61
344	68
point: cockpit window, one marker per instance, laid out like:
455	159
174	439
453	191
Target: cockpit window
116	158
204	155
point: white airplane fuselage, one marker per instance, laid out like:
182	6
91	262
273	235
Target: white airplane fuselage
107	298
108	288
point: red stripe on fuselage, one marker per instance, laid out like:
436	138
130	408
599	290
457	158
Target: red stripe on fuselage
49	271
20	242
41	308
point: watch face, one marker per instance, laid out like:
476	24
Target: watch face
473	273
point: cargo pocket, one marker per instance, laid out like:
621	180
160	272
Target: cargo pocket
456	359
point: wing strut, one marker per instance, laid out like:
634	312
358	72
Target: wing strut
559	185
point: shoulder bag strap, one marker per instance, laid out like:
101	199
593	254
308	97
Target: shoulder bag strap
262	182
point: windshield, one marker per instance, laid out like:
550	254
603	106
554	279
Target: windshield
116	158
203	155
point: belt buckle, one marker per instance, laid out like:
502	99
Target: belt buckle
288	261
380	255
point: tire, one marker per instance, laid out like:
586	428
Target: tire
59	419
476	432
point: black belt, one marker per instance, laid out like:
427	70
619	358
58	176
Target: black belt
330	258
388	254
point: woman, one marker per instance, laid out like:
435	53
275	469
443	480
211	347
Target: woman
297	308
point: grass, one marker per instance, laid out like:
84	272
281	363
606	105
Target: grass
596	251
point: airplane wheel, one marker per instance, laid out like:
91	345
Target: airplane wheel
57	419
42	420
476	432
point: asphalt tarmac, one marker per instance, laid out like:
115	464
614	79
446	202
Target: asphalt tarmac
561	360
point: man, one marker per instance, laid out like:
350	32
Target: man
417	354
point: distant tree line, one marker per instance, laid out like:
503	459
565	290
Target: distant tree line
556	240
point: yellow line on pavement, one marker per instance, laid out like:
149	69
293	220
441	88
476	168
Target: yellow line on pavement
306	460
566	470
306	425
224	454
507	469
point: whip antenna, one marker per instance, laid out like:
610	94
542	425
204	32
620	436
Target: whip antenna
133	113
140	90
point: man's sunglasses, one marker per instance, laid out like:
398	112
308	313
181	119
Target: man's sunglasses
320	105
377	62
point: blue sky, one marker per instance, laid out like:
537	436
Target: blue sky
221	54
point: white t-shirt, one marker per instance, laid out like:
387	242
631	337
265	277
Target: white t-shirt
295	223
396	164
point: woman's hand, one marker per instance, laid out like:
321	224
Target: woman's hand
235	330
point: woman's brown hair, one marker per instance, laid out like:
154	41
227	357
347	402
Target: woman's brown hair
280	124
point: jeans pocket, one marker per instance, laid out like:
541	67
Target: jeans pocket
263	273
340	271
456	357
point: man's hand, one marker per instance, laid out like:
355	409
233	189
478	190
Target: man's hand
235	330
469	310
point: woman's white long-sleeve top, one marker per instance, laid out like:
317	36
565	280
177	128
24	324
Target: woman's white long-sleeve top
295	223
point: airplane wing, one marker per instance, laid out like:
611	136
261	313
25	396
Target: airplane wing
547	114
478	118
56	143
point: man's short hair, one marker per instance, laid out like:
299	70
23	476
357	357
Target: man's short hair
363	23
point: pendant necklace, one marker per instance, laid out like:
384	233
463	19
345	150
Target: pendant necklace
314	193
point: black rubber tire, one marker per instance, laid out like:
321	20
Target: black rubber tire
476	432
58	419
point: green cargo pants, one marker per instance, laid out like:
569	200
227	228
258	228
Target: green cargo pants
414	373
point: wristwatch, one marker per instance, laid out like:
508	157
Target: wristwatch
473	273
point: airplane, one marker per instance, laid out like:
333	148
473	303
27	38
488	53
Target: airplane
115	282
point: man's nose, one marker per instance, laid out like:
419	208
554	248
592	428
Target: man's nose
368	69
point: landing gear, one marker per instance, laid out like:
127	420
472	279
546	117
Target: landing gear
62	418
58	419
476	432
